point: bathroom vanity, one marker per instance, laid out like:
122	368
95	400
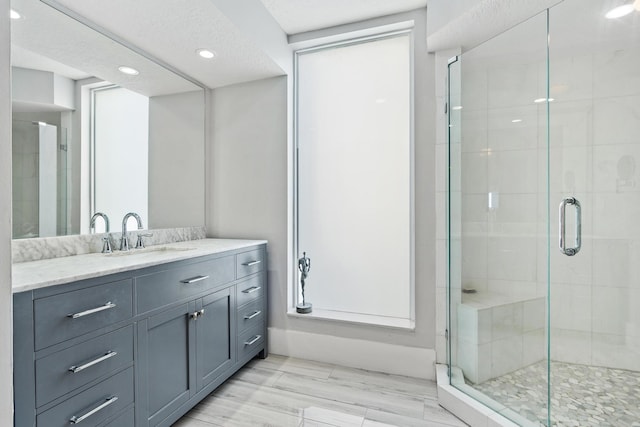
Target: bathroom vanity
135	338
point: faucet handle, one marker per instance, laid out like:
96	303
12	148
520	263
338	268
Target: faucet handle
140	242
106	244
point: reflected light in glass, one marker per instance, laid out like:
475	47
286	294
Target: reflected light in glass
516	120
539	100
620	11
457	107
14	14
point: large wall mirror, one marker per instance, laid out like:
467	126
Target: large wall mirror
98	127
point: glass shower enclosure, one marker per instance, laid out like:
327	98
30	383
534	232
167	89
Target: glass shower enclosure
544	209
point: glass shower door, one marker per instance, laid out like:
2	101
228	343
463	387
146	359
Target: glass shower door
498	222
594	64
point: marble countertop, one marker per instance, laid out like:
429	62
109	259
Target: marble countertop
32	275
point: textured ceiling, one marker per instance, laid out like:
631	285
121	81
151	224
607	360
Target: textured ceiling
48	40
297	16
172	31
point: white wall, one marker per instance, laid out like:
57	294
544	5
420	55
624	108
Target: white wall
6	374
177	160
249	161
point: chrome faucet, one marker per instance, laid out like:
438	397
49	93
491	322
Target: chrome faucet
124	241
106	241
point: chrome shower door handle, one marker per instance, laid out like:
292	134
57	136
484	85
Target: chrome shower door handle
562	226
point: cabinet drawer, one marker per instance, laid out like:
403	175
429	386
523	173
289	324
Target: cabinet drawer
64	371
251	314
176	284
96	404
250	341
249	290
71	314
249	262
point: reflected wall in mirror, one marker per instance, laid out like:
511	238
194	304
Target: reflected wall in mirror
88	138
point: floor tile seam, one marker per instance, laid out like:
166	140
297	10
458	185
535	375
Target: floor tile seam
320	399
361	405
414	381
386	392
245	412
189	415
367	387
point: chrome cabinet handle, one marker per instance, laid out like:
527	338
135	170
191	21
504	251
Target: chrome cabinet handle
107	306
562	228
108	355
251	290
252	315
250	263
254	340
109	401
194	279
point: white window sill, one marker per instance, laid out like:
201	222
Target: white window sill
357	318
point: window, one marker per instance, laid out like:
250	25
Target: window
354	178
119	147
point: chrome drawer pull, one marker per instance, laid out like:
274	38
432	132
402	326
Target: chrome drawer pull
252	315
254	340
109	401
251	290
250	263
194	279
107	306
108	355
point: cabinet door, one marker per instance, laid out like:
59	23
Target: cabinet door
215	329
166	363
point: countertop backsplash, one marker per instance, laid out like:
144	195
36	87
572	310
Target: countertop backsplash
25	250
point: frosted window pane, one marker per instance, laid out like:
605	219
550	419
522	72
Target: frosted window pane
121	154
354	176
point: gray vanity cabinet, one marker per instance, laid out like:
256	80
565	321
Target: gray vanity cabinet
137	348
182	350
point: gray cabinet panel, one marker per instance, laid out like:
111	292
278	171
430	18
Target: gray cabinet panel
91	359
169	362
95	307
215	347
250	262
250	290
250	315
119	386
177	284
126	419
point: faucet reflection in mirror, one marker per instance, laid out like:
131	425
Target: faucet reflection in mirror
124	241
106	241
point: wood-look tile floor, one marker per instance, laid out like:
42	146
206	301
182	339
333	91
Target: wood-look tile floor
282	391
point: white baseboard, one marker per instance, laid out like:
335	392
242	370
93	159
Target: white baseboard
370	355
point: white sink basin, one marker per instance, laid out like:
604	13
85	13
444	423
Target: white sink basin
151	249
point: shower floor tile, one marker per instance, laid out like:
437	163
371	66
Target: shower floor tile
581	395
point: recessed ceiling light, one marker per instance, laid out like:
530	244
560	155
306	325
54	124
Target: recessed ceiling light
457	107
206	53
516	120
128	70
539	100
13	14
620	11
